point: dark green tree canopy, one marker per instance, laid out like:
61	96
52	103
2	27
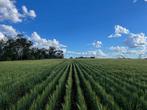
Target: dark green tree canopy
20	48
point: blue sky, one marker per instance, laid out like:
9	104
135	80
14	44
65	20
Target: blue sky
79	23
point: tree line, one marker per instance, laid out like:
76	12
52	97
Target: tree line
21	48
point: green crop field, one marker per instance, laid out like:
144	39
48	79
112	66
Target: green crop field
78	84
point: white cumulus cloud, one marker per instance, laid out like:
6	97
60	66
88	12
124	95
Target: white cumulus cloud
136	40
7	31
9	11
30	13
132	40
119	31
45	43
97	44
136	44
2	37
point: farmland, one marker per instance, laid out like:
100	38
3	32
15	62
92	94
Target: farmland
81	84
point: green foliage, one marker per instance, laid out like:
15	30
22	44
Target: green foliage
54	98
23	49
46	85
18	80
81	104
67	99
90	84
90	95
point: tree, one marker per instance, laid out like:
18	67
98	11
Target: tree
1	49
21	48
59	54
52	51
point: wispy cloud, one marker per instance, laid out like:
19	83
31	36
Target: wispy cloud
135	1
91	53
119	49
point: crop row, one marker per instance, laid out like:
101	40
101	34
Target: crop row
76	85
118	89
